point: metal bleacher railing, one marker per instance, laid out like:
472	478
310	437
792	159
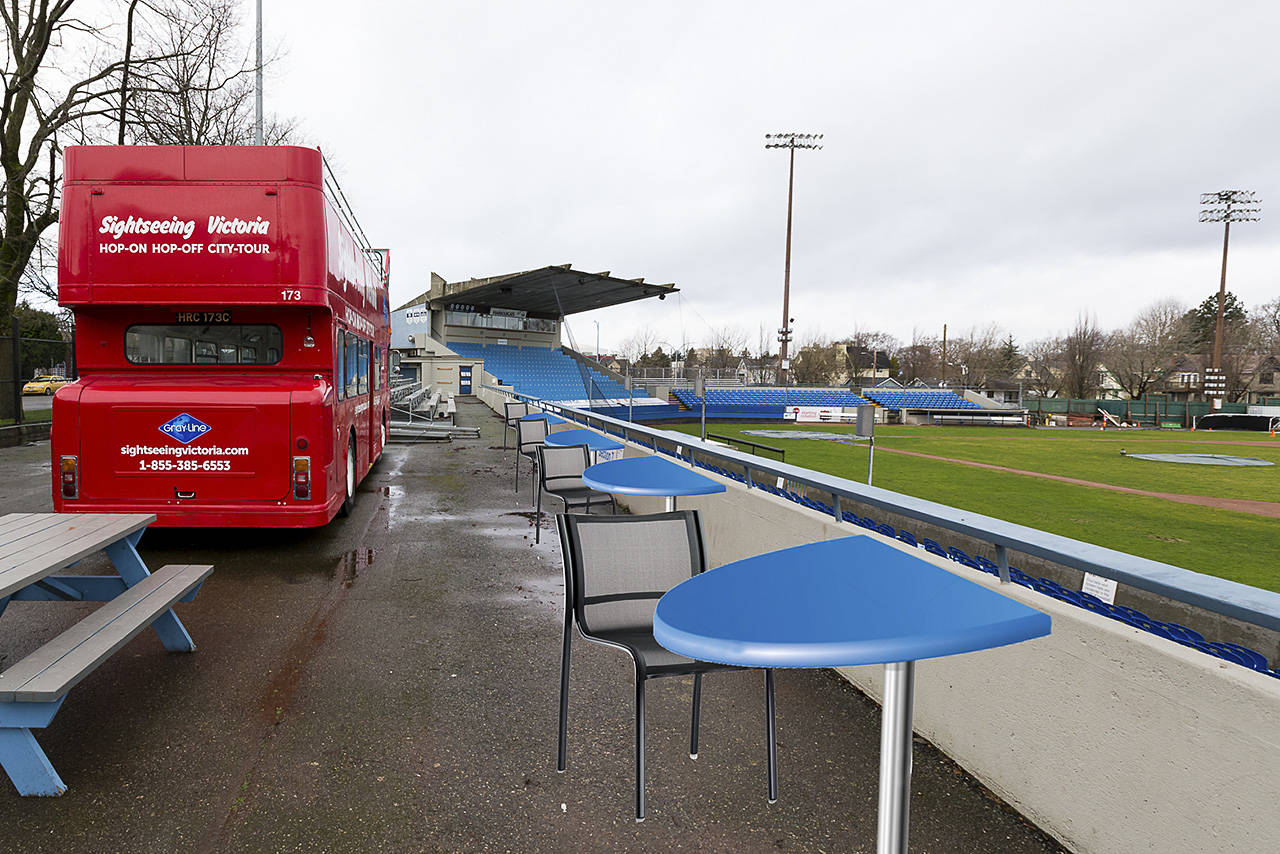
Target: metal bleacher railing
1210	593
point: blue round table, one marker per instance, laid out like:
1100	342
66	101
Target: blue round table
550	419
649	476
583	436
843	602
594	441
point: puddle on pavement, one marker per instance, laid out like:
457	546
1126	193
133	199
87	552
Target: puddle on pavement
352	564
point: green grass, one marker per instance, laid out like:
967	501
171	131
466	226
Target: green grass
1239	546
30	415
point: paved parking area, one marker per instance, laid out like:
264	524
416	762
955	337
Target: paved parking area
389	683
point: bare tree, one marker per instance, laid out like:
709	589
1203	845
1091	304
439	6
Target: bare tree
1140	354
920	359
978	355
1082	350
1266	320
724	345
639	345
1044	367
817	362
201	92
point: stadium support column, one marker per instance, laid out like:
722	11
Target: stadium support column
1226	207
792	142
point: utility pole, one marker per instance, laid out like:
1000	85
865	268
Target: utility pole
1226	207
943	381
792	142
257	96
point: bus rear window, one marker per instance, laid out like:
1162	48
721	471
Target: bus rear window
220	344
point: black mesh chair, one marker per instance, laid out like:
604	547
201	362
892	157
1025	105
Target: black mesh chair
560	475
530	433
616	569
514	412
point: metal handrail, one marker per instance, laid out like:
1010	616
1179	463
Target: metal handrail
1219	595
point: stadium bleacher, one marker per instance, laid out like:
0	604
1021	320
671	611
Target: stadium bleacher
541	371
770	402
894	399
551	375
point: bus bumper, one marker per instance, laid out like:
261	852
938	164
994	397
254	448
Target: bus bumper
172	515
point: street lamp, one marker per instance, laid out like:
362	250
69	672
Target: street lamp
1226	207
790	141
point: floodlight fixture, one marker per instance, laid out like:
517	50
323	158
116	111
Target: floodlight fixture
1226	207
790	141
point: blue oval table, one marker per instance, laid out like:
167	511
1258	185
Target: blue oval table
547	416
844	602
594	441
652	476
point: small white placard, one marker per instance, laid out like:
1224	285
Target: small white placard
1102	588
610	454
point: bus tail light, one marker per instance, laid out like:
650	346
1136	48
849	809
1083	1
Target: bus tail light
302	477
69	468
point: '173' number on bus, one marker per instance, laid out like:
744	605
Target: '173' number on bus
290	295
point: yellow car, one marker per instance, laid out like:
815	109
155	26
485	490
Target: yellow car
44	385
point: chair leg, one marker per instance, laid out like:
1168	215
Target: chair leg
639	747
563	752
517	484
537	520
697	706
772	733
506	428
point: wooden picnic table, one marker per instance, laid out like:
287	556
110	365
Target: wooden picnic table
34	546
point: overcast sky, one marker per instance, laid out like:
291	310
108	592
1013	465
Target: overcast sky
985	162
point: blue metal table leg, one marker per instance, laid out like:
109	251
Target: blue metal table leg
26	764
124	556
895	757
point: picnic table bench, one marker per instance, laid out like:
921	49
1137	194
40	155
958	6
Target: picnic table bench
32	547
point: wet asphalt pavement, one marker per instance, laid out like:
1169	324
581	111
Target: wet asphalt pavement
389	683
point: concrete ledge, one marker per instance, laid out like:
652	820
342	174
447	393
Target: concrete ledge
20	434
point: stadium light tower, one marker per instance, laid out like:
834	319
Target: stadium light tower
1226	207
790	141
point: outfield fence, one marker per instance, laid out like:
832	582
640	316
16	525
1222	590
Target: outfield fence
1153	410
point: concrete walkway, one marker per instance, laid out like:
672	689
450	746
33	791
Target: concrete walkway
388	684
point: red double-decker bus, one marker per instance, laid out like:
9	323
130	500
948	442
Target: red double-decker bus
232	334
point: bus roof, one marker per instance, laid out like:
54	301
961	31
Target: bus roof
239	163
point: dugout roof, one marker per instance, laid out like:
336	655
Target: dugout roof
549	292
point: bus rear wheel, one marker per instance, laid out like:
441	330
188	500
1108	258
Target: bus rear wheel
350	501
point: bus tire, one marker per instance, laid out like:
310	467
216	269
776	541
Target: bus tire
350	481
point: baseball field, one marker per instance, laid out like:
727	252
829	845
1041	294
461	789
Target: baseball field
1220	520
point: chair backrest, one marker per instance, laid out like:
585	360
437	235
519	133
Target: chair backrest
562	467
530	433
617	567
515	411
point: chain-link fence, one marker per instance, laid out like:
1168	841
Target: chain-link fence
31	370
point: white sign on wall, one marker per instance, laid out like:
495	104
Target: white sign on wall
417	317
1102	588
813	414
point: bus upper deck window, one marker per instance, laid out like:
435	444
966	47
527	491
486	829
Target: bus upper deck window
196	344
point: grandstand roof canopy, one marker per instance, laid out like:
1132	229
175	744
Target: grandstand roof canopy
546	292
